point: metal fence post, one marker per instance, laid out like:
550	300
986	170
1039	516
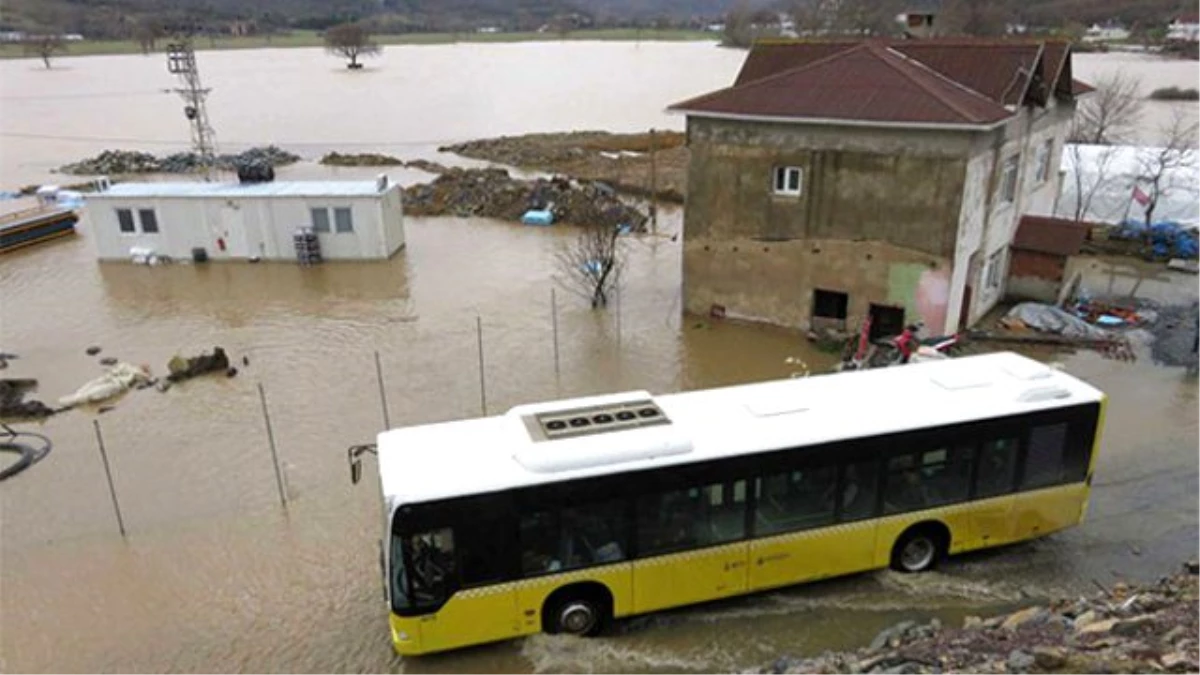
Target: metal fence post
262	396
382	393
482	383
108	472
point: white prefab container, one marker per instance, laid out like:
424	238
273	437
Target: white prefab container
353	220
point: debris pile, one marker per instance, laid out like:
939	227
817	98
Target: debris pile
116	162
493	193
1126	629
181	368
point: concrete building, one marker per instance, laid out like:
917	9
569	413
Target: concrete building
1045	264
352	220
919	17
838	179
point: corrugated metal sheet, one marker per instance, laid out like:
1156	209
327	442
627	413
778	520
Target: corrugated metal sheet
241	190
1056	236
867	82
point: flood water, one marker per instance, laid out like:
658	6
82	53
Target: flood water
216	576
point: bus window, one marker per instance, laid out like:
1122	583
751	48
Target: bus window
1044	463
946	474
429	559
484	550
860	486
691	518
997	464
795	500
581	536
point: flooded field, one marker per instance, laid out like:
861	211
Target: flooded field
216	575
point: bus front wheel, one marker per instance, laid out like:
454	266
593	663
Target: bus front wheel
583	614
919	548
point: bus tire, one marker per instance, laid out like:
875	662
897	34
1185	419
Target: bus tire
582	610
920	547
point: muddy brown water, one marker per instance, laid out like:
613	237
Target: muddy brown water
216	576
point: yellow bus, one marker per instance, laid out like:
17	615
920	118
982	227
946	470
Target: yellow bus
562	516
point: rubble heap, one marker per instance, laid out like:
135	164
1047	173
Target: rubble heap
493	193
117	162
1127	629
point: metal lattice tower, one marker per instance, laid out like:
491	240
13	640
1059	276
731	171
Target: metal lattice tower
181	62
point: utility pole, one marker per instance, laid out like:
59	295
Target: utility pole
181	62
653	186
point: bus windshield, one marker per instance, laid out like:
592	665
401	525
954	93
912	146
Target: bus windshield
422	567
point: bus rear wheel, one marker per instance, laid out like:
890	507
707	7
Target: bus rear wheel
584	616
918	549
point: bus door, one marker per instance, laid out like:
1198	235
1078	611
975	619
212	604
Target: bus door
691	543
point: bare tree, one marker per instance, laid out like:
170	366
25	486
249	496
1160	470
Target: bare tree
590	265
350	41
1110	114
1159	168
45	44
845	17
147	31
1097	177
739	29
973	17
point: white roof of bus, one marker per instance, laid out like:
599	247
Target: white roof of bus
449	459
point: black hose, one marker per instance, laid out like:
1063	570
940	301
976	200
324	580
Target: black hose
31	451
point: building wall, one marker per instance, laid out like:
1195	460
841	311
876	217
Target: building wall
774	281
1036	276
258	226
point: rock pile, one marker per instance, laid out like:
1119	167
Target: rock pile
360	159
117	162
1128	629
13	403
493	193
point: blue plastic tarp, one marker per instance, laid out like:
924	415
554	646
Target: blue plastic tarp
538	217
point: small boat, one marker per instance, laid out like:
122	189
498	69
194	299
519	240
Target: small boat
44	222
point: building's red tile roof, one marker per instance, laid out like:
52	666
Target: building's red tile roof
1056	236
1008	72
868	82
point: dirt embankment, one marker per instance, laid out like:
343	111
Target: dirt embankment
623	161
1126	629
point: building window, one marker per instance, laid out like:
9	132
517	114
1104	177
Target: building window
995	269
831	306
1008	181
149	221
125	221
342	220
320	220
1042	161
789	180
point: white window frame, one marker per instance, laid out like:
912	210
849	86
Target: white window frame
1041	165
337	228
781	181
1008	179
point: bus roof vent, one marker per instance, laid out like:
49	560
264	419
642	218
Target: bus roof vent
964	378
1028	370
1043	394
594	419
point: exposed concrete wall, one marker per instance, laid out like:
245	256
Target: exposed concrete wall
1036	276
901	186
774	281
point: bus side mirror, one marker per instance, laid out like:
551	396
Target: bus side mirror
354	457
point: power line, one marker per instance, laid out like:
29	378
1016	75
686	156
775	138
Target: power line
151	141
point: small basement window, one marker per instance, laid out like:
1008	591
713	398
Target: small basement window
149	221
342	220
125	221
789	180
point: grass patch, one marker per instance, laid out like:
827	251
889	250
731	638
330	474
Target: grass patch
313	39
1175	94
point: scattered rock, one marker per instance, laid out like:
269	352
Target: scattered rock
1192	566
1132	626
1177	661
972	623
1019	661
886	635
1098	627
93	350
13	403
231	371
108	361
105	408
1087	618
1174	634
1049	658
1032	615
